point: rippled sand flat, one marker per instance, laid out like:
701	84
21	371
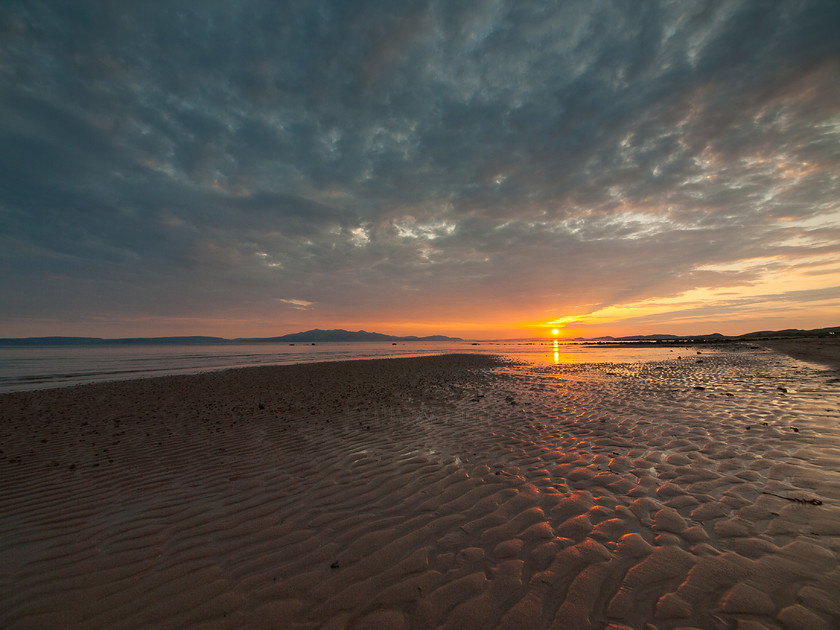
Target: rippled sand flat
454	492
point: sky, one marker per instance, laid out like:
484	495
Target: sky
485	169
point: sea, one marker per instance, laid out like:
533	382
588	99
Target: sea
25	368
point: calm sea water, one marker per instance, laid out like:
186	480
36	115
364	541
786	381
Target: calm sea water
27	368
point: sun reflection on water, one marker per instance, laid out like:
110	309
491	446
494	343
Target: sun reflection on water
562	357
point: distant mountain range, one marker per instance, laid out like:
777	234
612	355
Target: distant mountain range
327	336
344	335
310	336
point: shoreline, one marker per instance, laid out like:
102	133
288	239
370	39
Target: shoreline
823	350
439	491
38	373
70	366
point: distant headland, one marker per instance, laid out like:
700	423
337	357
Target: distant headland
788	333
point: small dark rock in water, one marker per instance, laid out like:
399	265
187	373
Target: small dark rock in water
748	427
699	387
335	565
782	389
795	430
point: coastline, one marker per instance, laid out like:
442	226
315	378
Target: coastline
442	491
824	350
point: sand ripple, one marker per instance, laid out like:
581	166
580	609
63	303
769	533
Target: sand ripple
452	492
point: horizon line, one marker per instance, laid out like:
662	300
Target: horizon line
830	330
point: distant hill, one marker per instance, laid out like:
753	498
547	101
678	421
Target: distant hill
793	332
322	336
647	338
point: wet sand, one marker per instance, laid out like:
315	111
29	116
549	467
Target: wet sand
825	350
457	492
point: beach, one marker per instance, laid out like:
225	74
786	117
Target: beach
825	350
457	491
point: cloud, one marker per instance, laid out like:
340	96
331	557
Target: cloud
461	159
298	304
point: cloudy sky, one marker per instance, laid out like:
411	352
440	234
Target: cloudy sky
479	168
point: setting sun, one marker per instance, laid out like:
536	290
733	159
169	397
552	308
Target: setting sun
555	331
